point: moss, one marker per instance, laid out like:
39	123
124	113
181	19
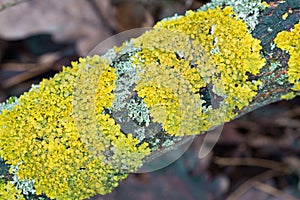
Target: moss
181	56
289	41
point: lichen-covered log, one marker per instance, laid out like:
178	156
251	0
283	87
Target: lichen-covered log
81	132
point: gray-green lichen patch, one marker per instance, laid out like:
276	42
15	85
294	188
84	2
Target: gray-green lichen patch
9	104
126	75
128	110
247	10
140	133
274	65
138	111
126	78
154	143
26	186
167	143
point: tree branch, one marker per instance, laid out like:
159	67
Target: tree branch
110	115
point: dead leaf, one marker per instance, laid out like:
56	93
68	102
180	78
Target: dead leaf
66	20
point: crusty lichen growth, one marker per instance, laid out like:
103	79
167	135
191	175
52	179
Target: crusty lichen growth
26	186
210	50
9	191
9	104
99	131
41	135
289	41
246	10
138	111
187	75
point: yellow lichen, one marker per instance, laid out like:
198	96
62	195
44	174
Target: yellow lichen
204	49
289	41
9	191
172	101
288	96
43	137
284	16
265	4
61	136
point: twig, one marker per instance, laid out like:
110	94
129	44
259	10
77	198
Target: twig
273	191
257	162
248	184
46	62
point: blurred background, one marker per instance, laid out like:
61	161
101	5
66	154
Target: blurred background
257	156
